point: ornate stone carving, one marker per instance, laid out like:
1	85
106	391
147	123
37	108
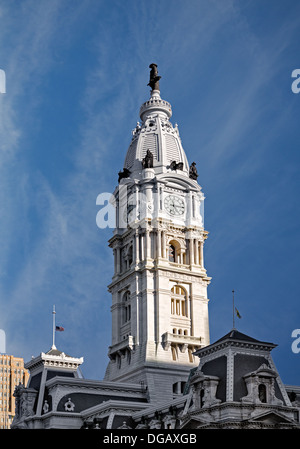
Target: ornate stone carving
124	426
45	407
24	404
69	405
204	389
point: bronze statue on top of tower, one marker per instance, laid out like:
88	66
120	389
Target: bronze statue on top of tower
154	78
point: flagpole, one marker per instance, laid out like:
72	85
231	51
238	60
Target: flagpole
53	328
233	323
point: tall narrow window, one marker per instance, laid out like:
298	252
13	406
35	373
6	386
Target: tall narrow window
172	306
126	307
178	301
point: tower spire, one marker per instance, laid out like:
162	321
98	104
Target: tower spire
155	317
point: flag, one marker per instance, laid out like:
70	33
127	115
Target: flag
59	328
237	313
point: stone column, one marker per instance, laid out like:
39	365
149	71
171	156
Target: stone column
201	254
158	243
191	251
196	252
136	247
163	244
148	244
118	249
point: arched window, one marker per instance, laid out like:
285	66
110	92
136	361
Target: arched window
176	252
126	307
178	301
172	253
262	393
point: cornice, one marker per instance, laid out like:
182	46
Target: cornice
260	346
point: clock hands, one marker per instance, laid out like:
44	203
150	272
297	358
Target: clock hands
174	205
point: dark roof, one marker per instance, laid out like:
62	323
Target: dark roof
236	335
55	352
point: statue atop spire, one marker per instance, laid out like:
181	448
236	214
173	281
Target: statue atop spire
154	78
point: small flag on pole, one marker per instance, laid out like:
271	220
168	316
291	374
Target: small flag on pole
59	328
238	313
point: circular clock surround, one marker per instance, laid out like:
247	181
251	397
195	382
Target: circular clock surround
174	205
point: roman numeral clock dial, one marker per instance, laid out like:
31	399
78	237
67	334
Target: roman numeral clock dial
174	205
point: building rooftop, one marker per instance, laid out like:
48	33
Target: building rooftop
234	334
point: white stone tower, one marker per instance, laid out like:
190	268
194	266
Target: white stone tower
159	288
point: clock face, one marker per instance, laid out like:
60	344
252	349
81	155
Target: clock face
174	205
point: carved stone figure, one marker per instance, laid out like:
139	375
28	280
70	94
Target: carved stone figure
123	174
46	407
147	162
154	78
193	174
176	165
124	426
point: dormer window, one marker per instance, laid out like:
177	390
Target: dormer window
261	386
262	393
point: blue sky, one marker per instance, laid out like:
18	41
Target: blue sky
76	75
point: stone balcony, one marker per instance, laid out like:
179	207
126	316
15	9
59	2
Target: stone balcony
183	341
121	347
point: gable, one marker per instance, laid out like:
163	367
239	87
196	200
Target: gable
272	418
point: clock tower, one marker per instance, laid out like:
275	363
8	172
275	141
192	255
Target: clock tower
159	287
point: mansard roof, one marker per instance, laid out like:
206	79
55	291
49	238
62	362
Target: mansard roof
234	334
235	338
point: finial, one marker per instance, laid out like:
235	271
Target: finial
154	78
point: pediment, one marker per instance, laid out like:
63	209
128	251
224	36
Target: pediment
272	417
193	423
